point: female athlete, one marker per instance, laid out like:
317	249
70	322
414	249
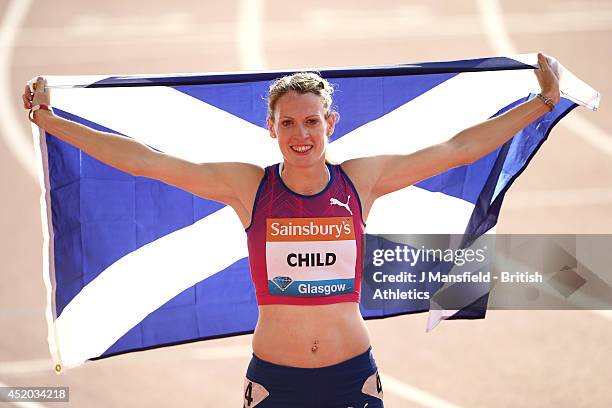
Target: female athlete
304	220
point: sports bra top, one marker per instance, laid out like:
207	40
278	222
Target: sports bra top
306	249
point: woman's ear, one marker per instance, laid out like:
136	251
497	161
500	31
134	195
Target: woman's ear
271	128
331	123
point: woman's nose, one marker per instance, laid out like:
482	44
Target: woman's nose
303	132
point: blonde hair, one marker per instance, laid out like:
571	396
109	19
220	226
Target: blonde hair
301	82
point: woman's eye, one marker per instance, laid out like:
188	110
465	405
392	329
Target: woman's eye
313	121
286	122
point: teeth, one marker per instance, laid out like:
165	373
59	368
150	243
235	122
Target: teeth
301	149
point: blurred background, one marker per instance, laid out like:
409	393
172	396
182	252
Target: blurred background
510	359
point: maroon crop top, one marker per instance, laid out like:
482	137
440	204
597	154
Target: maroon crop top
306	249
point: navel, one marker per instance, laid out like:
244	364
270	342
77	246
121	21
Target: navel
315	346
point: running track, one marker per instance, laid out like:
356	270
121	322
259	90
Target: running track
511	359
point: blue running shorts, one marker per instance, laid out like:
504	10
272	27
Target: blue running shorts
353	383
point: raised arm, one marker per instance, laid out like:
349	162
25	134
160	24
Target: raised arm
380	175
234	184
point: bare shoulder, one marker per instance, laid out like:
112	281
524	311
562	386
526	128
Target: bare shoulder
379	175
364	173
232	183
242	174
243	179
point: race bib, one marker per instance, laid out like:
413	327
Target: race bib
372	386
254	393
310	256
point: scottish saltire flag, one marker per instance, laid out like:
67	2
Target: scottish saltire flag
132	263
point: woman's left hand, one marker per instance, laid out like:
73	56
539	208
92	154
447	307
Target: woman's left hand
548	79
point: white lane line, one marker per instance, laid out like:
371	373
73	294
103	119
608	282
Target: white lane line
19	143
606	314
315	24
409	393
495	27
499	38
250	49
26	366
558	198
498	35
23	404
223	352
595	135
242	351
251	54
390	384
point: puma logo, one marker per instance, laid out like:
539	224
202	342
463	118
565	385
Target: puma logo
333	201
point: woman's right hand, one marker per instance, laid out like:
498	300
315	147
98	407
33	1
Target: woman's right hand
40	96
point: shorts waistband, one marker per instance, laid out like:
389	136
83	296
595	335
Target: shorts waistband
358	362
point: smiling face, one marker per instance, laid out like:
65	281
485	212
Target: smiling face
300	125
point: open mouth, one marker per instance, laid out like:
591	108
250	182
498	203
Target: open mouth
301	148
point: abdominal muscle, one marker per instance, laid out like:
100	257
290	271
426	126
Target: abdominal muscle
310	336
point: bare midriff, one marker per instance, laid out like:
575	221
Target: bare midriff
310	336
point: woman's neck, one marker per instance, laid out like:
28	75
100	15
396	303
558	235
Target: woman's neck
306	181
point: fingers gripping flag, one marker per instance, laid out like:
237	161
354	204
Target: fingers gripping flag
131	263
